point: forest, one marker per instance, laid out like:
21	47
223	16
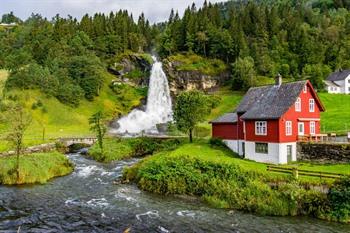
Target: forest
67	57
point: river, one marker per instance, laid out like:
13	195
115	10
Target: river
87	201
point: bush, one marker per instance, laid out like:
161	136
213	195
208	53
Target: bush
217	142
339	198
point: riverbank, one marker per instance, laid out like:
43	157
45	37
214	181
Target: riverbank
34	168
116	149
224	181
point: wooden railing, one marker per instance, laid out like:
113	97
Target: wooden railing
300	172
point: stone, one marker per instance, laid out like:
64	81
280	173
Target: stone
324	152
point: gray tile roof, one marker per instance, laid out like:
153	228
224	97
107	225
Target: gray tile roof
269	102
331	83
338	75
226	118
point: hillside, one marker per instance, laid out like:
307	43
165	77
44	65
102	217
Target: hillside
61	120
336	117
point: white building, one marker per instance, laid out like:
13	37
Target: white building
338	82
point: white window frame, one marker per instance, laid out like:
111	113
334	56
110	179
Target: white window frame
311	105
305	89
289	128
298	105
301	133
312	127
260	127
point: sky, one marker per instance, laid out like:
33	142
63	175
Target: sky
155	10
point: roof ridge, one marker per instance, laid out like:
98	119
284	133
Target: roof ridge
271	85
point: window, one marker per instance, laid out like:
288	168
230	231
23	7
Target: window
261	148
298	105
300	128
260	128
312	127
305	89
311	105
348	80
288	128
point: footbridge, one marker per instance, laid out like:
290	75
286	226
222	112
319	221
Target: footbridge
83	140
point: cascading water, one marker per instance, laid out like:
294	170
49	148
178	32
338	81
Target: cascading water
158	109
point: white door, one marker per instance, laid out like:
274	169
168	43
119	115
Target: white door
300	128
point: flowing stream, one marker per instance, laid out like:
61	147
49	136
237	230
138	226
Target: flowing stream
158	109
87	201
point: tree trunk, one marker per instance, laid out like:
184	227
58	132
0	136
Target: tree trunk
17	166
190	135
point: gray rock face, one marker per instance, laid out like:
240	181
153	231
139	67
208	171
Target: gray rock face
180	80
128	64
324	152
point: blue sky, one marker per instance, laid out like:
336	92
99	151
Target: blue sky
155	10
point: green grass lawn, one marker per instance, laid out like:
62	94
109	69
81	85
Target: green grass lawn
336	118
61	120
34	168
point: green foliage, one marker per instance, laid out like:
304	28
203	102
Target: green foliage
216	142
193	62
97	125
35	168
294	38
66	58
224	181
339	197
243	73
118	149
191	108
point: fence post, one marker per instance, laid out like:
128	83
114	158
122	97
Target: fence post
295	173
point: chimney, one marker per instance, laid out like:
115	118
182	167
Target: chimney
278	80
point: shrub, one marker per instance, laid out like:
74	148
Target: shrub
216	142
339	198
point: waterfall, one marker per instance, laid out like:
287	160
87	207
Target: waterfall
158	109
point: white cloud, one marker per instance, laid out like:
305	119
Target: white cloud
155	10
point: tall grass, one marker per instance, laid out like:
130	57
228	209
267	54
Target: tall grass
34	168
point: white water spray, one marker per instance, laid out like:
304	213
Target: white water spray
158	109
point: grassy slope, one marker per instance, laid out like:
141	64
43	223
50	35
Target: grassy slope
64	121
206	152
337	114
34	168
193	62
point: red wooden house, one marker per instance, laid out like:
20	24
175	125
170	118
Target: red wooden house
269	121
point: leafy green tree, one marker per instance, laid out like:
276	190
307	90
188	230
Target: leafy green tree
18	120
243	73
316	74
10	18
97	126
191	108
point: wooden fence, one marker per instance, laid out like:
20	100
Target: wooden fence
300	172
